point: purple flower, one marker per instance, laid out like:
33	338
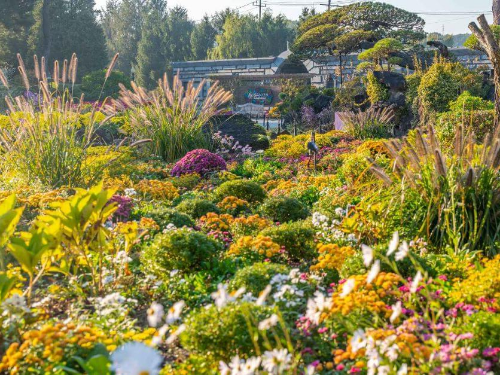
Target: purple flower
199	161
124	207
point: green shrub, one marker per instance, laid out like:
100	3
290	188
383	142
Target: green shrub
297	238
485	327
377	92
180	249
227	334
443	83
164	216
284	209
256	277
243	189
92	84
468	102
197	207
479	123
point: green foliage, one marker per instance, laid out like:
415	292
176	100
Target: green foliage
372	123
73	27
92	85
485	327
163	216
197	207
244	36
443	83
381	51
247	190
473	43
227	335
284	209
181	249
344	28
377	92
203	39
256	277
478	123
9	217
176	116
123	23
297	238
467	102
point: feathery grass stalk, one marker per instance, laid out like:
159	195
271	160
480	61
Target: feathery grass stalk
172	116
460	188
45	141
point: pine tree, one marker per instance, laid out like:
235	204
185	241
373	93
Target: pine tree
15	21
64	27
122	23
151	51
202	39
178	35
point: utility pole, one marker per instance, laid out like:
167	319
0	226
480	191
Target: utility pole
329	4
258	3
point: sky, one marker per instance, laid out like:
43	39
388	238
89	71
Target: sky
451	23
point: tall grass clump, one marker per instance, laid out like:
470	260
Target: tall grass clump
373	123
457	190
45	141
172	116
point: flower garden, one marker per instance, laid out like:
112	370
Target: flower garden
176	250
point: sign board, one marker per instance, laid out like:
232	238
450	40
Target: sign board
259	96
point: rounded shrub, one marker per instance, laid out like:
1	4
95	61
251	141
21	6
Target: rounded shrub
296	237
92	84
180	249
201	162
243	189
284	209
227	334
197	207
256	277
163	216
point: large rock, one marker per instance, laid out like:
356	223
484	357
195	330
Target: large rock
242	129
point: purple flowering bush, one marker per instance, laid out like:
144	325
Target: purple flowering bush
124	210
199	161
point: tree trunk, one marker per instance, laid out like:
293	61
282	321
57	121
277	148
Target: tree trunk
488	43
341	68
496	12
46	31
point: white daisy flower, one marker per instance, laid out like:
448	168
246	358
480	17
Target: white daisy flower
367	255
358	340
155	314
375	270
317	306
135	358
393	245
347	288
276	361
396	311
174	312
403	251
416	281
268	323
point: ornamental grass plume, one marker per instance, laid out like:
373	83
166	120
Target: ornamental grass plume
45	141
173	116
459	188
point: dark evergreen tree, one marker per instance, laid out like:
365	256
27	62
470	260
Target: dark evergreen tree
203	39
16	18
64	27
122	23
178	35
151	51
